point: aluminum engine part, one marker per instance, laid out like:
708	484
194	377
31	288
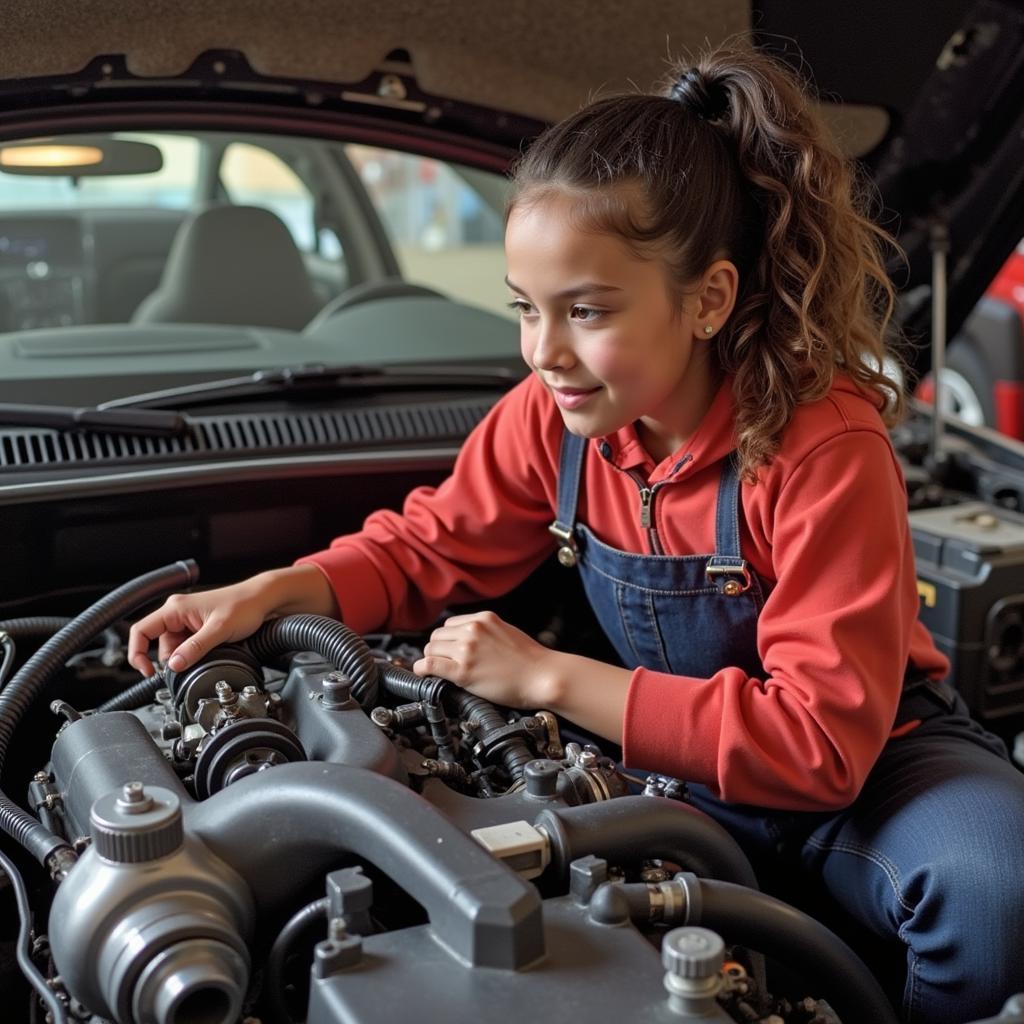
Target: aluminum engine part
149	925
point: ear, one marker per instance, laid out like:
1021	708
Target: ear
716	297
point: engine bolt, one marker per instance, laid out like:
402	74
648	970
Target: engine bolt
382	717
337	689
249	692
226	696
41	777
134	799
587	760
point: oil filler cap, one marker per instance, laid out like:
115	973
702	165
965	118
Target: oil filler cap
136	823
692	952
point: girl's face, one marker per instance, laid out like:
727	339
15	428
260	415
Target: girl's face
601	329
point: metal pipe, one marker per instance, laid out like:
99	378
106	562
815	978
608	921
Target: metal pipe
939	241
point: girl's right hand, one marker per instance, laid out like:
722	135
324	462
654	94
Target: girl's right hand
188	626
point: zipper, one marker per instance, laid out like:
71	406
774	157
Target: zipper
647	496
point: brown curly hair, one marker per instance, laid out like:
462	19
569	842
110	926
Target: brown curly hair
734	162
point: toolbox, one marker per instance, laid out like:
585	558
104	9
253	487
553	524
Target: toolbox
970	578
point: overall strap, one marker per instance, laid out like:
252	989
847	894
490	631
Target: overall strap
726	568
570	470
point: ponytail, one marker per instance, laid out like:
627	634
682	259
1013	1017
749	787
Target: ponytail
733	161
817	295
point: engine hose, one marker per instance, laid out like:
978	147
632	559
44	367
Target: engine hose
762	922
136	696
400	682
343	648
292	931
7	661
36	625
29	682
46	625
23	948
515	751
629	828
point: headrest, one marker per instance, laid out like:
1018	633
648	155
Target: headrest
233	265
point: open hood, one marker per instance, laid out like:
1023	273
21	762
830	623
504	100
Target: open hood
926	94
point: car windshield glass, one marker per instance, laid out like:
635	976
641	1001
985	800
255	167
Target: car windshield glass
157	234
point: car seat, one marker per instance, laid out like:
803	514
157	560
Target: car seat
232	265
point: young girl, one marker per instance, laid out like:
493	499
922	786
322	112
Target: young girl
703	438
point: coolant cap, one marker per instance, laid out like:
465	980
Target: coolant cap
136	823
692	952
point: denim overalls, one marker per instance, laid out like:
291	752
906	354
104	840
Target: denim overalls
929	855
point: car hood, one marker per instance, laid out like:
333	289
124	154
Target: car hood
925	93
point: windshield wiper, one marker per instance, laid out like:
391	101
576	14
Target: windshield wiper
140	422
144	414
318	377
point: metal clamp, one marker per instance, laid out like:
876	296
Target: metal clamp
567	550
731	588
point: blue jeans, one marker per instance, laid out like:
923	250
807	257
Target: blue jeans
931	853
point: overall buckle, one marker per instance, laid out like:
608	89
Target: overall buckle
731	588
567	551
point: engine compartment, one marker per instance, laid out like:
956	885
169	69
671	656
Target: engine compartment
300	828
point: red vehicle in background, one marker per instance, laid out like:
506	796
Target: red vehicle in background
983	381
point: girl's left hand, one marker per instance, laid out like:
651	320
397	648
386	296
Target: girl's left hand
485	655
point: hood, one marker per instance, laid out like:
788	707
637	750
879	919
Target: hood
926	93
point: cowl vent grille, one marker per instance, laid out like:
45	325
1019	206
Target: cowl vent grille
249	432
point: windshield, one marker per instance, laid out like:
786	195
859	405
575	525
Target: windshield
157	234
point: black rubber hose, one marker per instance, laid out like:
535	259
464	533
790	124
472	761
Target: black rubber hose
21	629
293	930
137	695
35	625
400	682
784	933
23	948
7	660
343	648
46	625
631	828
515	751
30	681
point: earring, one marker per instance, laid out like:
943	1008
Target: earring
708	329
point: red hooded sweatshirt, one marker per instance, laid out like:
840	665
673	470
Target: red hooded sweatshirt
826	525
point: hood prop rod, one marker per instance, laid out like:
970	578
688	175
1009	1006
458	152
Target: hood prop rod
939	245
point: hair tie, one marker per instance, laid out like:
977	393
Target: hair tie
708	100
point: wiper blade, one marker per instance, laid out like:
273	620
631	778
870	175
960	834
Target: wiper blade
317	377
146	415
145	422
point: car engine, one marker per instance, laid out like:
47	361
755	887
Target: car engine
299	828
